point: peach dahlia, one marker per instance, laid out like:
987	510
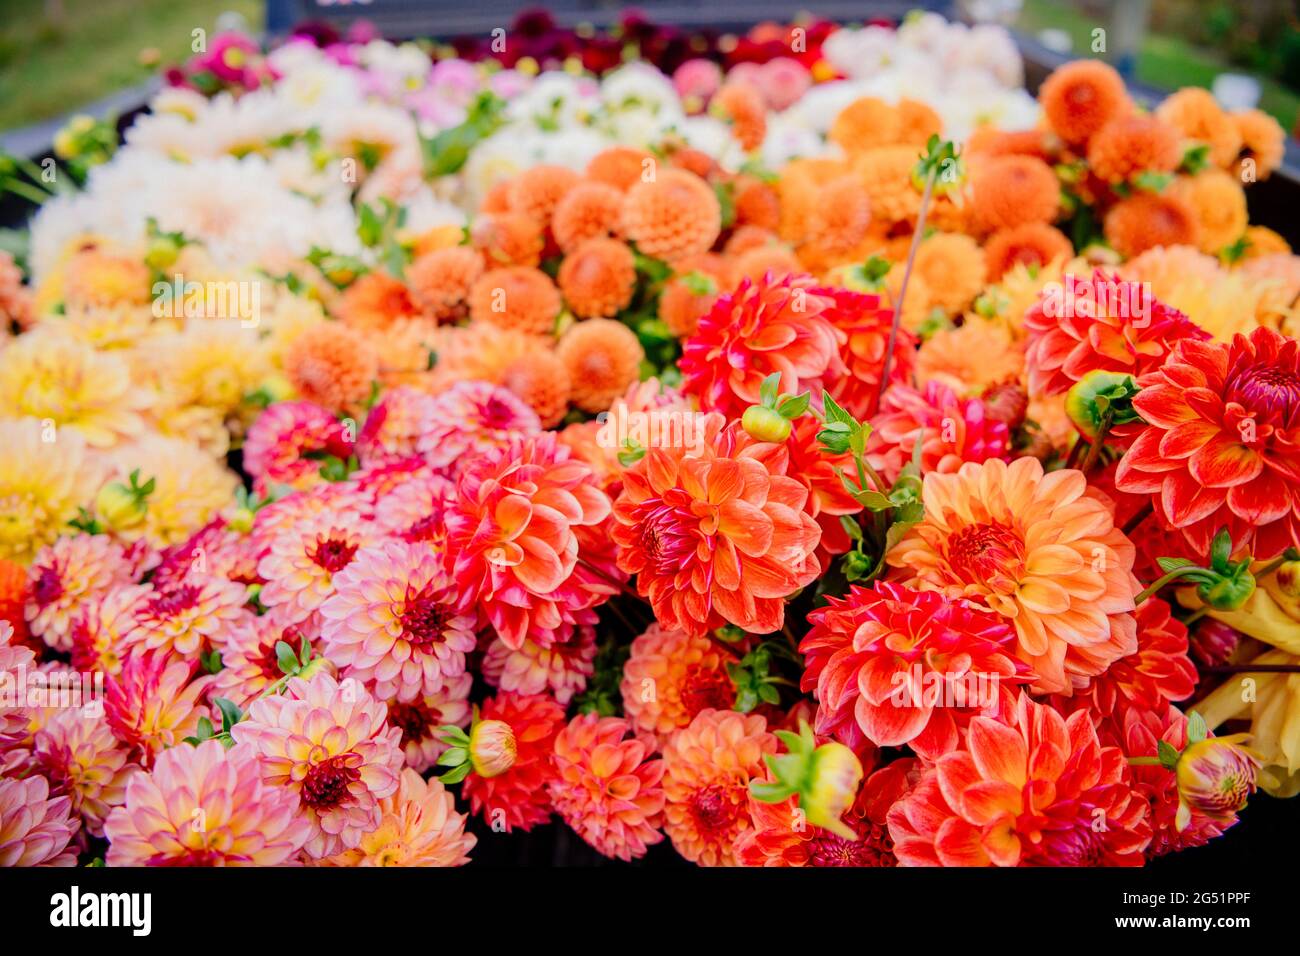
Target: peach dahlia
518	798
671	676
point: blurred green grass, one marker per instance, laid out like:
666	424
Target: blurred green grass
48	69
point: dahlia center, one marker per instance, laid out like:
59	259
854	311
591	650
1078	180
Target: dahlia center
705	688
424	617
326	783
872	848
1266	388
665	540
415	720
331	553
48	587
988	553
174	601
713	810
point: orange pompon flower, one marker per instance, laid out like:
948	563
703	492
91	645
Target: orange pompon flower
672	216
331	365
1081	97
971	357
1219	204
516	297
1262	139
603	357
840	220
717	533
620	166
1039	549
757	203
538	190
375	301
1196	114
1145	220
952	266
507	239
671	676
542	381
917	122
1033	244
440	281
598	277
605	788
1009	191
589	210
518	798
1025	795
749	237
988	140
742	106
885	174
689	295
773	260
497	198
1135	144
707	769
865	124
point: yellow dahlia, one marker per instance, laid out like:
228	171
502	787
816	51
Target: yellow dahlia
953	268
190	487
84	761
671	677
1039	549
45	477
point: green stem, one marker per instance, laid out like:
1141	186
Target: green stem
1098	443
907	275
1163	580
1145	762
1196	615
1272	566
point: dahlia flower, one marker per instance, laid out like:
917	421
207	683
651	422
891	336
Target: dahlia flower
197	612
1029	794
1146	220
1038	549
332	365
440	281
14	591
285	441
44	478
707	769
598	277
951	431
602	359
153	704
190	487
35	828
328	743
517	797
15	719
1196	114
299	570
538	190
418	826
205	806
1010	191
415	510
392	622
971	357
671	676
605	788
541	379
420	719
1219	447
513	239
516	297
249	662
524	541
376	300
1218	201
672	215
898	666
716	535
1033	246
819	472
620	166
65	576
560	669
1131	145
1081	97
471	418
82	759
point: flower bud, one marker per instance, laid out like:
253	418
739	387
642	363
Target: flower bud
491	747
831	787
1098	392
1229	592
120	507
1215	778
765	424
1213	642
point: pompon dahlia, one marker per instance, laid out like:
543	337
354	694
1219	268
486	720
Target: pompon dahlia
672	676
590	210
606	788
43	482
420	719
1101	322
898	666
393	426
418	826
1219	204
598	277
707	769
300	567
538	190
602	358
716	535
1029	794
329	744
35	828
742	107
206	806
561	669
376	301
1197	115
415	510
82	759
671	216
516	297
192	615
788	325
472	418
507	239
1220	446
1033	245
782	836
517	798
153	704
440	281
953	268
971	357
1134	144
66	575
1038	549
392	622
1146	220
285	441
1081	97
332	365
1010	191
1262	140
951	430
524	540
620	166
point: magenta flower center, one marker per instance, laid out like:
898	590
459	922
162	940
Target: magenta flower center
326	783
425	617
415	720
332	554
986	552
48	587
1266	388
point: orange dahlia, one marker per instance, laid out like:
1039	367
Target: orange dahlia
671	676
1196	114
757	203
35	828
13	598
742	106
953	268
1029	794
1262	139
1134	144
590	210
949	430
693	290
1035	244
440	281
598	277
1081	97
1219	449
841	217
605	788
717	533
603	357
518	797
538	190
828	498
542	381
971	357
506	239
560	669
1145	220
771	260
205	806
672	216
917	122
1009	191
885	174
516	297
865	124
620	166
375	301
1219	204
1038	549
707	768
332	365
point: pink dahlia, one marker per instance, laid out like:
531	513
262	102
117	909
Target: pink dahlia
951	431
606	788
216	549
525	539
153	704
15	718
66	575
518	798
249	662
285	444
329	744
903	667
35	828
300	567
419	720
206	806
670	676
82	759
472	418
416	510
393	426
560	669
189	617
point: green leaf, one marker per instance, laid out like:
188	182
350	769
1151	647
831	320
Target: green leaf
794	406
285	658
1168	754
456	775
230	713
767	392
1170	564
851	527
453	757
1221	550
769	792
